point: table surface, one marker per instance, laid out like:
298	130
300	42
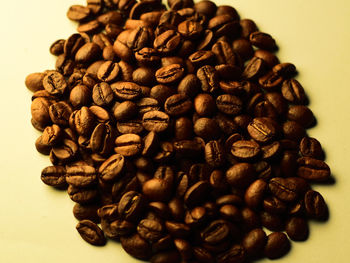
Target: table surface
36	222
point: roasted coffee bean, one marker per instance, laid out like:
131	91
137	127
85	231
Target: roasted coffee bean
82	212
224	53
42	147
245	150
101	115
54	83
224	25
157	189
315	205
156	121
190	29
56	47
128	144
91	233
88	53
143	76
126	90
84	121
54	176
297	229
108	212
167	41
254	69
188	148
82	195
150	142
108	71
78	12
177	105
161	93
196	193
102	94
40	113
214	154
272	222
268	57
34	81
286	189
201	58
81	176
293	92
216	232
240	175
254	242
229	104
262	40
236	254
204	104
255	193
273	205
178	230
206	128
189	86
311	147
131	205
80	96
126	110
51	135
301	114
209	78
112	168
150	230
73	43
89	27
313	169
243	48
293	131
136	246
202	255
277	245
169	74
285	69
139	38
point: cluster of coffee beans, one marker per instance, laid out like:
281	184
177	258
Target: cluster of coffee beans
179	132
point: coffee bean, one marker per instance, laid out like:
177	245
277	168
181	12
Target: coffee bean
178	230
54	83
297	229
171	256
167	41
243	48
156	121
214	154
224	25
302	115
150	230
34	81
82	212
161	93
313	169
293	92
245	150
262	40
91	233
88	53
255	68
139	38
311	147
209	78
126	90
78	12
236	254
206	128
177	105
125	111
143	76
81	176
54	176
224	53
136	246
255	193
82	195
190	29
131	206
169	74
196	193
229	104
108	71
268	57
188	148
254	242
128	144
240	174
277	245
216	232
102	94
315	205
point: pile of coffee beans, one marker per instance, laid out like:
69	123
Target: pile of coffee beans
178	133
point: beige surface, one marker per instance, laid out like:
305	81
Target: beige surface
36	222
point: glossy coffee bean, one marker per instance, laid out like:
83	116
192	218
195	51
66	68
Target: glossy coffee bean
277	245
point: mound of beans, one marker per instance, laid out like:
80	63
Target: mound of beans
179	133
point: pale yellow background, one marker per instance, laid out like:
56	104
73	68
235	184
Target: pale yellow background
36	222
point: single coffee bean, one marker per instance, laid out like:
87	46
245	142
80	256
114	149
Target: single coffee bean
277	245
167	41
229	104
311	147
82	212
245	150
88	53
224	53
125	111
297	228
302	115
254	242
139	38
268	57
169	74
315	205
189	86
73	43
56	47
285	70
91	233
190	29
223	25
54	176
108	71
240	175
89	27
188	148
262	40
128	144
54	83
286	189
206	128
293	131
34	81
82	195
131	205
313	169
243	48
102	94
51	135
156	121
236	254
255	193
161	93
136	246
177	105
143	76
150	230
78	12
209	78
126	90
272	222
157	189
214	154
81	176
196	193
60	113
80	96
178	230
216	232
293	92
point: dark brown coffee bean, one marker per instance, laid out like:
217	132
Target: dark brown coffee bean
147	104
248	26
293	92
286	189
139	38
240	175
80	96
78	12
57	47
272	222
40	113
128	144
206	128
236	254
150	230
189	86
108	212
227	10
243	48
167	41
202	255
91	233
144	76
188	148
254	242
82	195
157	189
209	78
190	29
293	131
297	228
255	193
126	90
54	176
206	41
196	193
82	212
42	147
224	25
147	56
81	176
112	168
161	93
178	230
313	169
101	115
262	40
229	104
311	147
216	232
315	205
245	150
136	246
150	142
214	154
125	111
204	104
54	83
51	135
270	81
277	245
122	51
201	58
254	69
177	105
224	53
102	94
89	27
285	70
88	53
111	17
156	121
302	115
131	205
263	129
268	57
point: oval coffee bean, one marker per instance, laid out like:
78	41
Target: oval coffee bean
311	147
177	105
54	176
214	154
170	74
277	245
297	228
313	169
315	205
156	121
236	254
263	129
131	205
245	150
91	233
126	90
54	83
128	144
254	242
81	176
